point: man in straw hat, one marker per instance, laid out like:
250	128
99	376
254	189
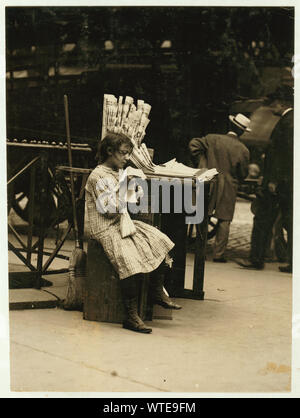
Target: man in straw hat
276	192
230	157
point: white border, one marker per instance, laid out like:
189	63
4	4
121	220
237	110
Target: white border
4	329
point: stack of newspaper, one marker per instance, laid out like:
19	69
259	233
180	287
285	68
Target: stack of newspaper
132	121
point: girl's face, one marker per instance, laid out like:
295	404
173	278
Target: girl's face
118	159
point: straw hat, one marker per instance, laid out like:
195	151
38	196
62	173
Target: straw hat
241	121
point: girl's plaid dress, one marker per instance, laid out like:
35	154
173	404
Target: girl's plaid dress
141	252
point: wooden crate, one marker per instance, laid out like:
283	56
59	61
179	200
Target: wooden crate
102	294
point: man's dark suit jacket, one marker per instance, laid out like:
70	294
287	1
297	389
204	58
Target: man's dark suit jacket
230	157
279	157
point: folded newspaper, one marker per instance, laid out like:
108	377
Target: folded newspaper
174	169
208	175
134	172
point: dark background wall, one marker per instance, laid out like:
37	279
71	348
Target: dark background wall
190	63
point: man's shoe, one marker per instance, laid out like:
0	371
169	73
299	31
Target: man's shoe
249	265
220	260
286	269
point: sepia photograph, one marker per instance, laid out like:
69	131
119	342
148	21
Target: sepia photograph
148	196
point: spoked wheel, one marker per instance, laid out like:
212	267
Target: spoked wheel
56	207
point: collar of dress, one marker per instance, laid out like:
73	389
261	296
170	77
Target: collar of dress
104	167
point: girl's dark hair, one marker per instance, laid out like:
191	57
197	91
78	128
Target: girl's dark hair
112	141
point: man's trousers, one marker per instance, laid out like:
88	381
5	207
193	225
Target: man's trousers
221	238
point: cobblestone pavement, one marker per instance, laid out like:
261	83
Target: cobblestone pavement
240	233
238	243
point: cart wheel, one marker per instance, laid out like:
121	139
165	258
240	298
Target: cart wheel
58	202
20	204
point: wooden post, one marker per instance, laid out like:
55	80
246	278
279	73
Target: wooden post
41	226
104	118
31	212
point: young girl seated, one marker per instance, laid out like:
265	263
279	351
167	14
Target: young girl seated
143	250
